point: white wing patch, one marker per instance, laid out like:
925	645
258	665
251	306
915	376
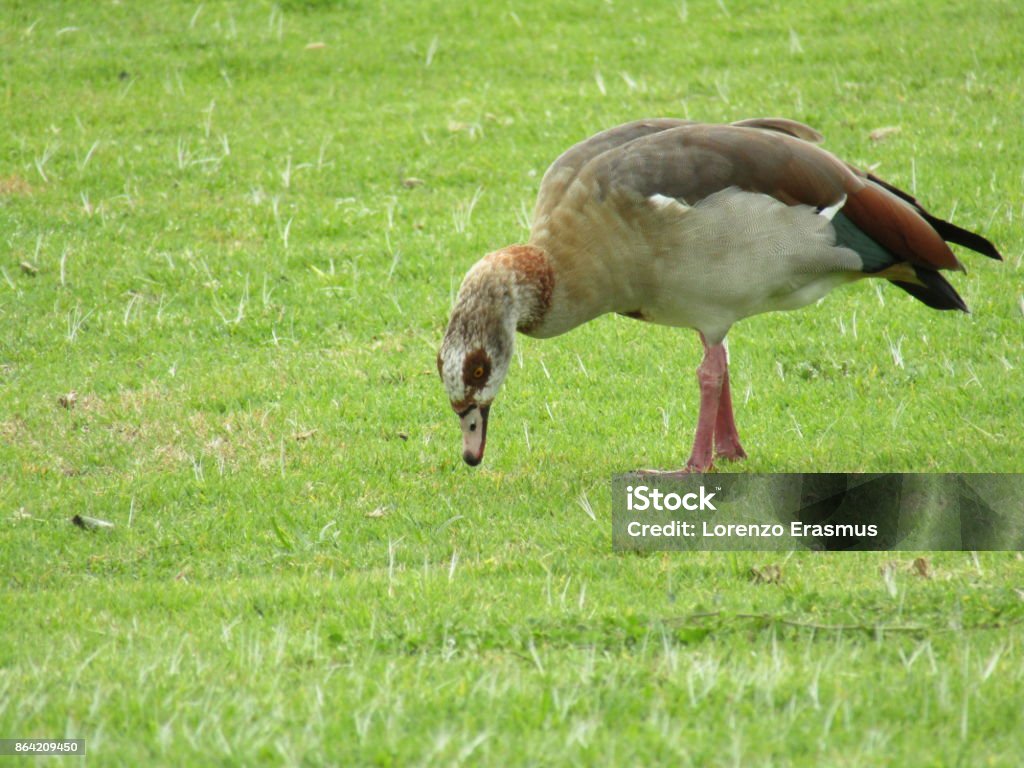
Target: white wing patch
662	202
831	211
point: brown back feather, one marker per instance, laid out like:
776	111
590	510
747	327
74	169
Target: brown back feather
567	166
782	125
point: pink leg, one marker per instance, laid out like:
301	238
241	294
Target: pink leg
727	440
716	427
711	374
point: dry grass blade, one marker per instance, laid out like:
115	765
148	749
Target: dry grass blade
883	133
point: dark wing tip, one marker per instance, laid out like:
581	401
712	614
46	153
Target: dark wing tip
934	290
948	231
953	234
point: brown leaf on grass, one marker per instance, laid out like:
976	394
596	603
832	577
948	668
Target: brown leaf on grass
29	268
412	182
68	401
922	567
766	574
883	133
300	436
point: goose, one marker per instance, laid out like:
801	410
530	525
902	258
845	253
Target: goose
692	225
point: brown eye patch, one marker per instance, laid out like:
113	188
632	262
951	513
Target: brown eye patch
476	369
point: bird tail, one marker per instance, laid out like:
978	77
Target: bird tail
898	240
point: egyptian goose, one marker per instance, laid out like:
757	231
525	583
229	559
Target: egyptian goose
692	225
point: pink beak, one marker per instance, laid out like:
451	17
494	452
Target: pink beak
474	433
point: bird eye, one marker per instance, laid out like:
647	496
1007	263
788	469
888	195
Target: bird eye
476	367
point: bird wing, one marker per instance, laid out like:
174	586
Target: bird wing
693	161
567	166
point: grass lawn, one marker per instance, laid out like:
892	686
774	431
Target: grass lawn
230	234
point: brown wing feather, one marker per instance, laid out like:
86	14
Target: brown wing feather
899	228
948	231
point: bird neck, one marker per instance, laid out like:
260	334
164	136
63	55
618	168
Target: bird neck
527	279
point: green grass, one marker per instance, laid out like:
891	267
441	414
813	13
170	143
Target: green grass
228	264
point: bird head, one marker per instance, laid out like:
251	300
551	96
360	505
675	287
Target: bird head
476	351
